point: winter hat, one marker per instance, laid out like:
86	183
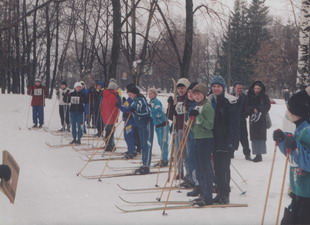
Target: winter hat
112	80
130	85
64	83
99	82
218	79
154	91
134	90
112	85
192	85
37	80
299	104
201	88
183	82
77	84
82	82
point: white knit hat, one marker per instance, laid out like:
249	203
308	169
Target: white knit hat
38	79
112	85
183	81
77	84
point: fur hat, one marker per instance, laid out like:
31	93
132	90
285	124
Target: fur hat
299	104
112	85
183	82
201	88
77	84
134	90
218	79
154	91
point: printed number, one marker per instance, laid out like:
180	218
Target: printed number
75	100
37	92
179	108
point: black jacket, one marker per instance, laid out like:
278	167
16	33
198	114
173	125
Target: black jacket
77	100
225	121
261	102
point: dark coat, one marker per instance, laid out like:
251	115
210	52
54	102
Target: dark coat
225	121
77	100
241	117
261	102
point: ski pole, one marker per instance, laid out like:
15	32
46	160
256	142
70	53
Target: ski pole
163	145
243	180
182	149
173	163
283	182
242	192
269	182
114	148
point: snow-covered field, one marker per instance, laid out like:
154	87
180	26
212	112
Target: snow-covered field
49	192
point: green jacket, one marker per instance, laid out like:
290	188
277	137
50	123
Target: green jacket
203	125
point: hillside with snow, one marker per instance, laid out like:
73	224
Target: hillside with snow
50	193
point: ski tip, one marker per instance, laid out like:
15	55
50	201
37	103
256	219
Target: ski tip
120	208
123	199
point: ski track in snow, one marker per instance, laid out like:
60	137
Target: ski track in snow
49	192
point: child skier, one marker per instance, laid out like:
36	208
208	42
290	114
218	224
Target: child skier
78	101
298	148
63	107
225	123
204	143
159	119
179	110
142	116
38	93
130	126
109	113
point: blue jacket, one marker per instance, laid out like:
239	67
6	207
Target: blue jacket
157	114
299	162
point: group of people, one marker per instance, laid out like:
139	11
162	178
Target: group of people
206	129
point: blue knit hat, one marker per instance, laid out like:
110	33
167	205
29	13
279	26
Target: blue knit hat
218	79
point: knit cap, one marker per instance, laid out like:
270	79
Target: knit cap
134	90
218	79
183	82
201	88
299	104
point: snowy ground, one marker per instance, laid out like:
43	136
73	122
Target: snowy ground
49	192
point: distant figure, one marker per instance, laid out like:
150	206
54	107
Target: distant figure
38	93
242	132
64	108
286	95
257	106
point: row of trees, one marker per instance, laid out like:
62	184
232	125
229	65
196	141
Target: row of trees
100	39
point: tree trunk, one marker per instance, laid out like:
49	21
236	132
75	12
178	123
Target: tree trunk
303	48
116	38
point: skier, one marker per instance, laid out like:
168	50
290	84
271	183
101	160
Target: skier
142	116
298	148
224	128
78	101
86	117
109	113
179	110
63	107
241	136
257	106
191	181
38	93
159	119
202	128
96	96
5	172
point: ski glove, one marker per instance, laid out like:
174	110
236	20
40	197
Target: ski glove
193	113
278	135
170	100
5	172
290	142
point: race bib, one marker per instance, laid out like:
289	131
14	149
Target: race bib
75	100
179	108
37	92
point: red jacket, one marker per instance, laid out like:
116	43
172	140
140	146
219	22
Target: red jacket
109	110
38	93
